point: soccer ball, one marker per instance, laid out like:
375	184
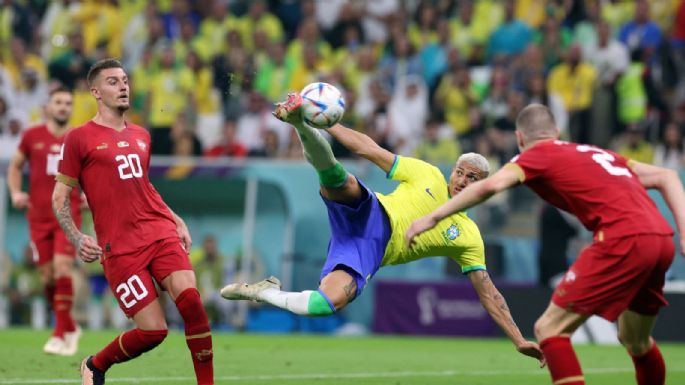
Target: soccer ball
322	105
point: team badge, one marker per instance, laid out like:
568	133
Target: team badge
141	144
55	147
451	233
102	146
123	143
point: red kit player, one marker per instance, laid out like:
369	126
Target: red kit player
140	241
620	276
52	252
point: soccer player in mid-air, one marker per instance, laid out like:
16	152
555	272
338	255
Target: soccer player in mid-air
621	274
368	228
140	241
52	252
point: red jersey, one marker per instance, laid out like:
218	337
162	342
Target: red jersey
595	185
112	169
42	151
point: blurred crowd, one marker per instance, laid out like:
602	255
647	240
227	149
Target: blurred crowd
428	78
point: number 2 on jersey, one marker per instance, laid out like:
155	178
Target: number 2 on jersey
129	166
604	159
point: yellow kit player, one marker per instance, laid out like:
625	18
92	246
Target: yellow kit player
368	228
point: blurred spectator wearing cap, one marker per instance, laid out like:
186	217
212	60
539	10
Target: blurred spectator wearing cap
512	36
670	152
635	146
574	81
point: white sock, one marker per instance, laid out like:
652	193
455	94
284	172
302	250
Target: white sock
317	150
296	302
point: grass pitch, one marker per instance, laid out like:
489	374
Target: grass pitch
299	359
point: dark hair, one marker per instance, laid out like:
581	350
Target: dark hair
100	65
59	89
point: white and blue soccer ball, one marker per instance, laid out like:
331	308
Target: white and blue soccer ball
322	105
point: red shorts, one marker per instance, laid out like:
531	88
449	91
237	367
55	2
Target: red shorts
132	277
48	239
618	274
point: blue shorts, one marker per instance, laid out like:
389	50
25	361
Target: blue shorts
359	234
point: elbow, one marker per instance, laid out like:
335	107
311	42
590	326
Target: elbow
488	188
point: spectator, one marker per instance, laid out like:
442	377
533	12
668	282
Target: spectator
180	10
670	152
11	126
73	63
635	146
272	147
495	104
18	60
143	30
398	63
641	34
512	36
274	75
436	147
434	55
376	16
189	41
407	111
553	40
229	145
468	34
574	81
210	272
55	27
348	20
423	30
33	97
215	26
206	98
456	98
258	17
183	138
537	92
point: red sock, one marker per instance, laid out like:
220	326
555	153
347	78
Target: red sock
127	346
63	300
650	368
562	361
50	296
198	334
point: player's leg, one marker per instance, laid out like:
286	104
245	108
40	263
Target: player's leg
553	330
336	183
182	288
337	289
150	331
634	332
63	302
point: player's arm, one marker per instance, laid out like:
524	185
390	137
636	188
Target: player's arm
182	230
495	304
20	199
362	145
670	186
87	248
475	193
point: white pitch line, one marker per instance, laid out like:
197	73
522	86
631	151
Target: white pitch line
325	376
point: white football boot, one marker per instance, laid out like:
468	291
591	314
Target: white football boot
250	291
71	341
55	345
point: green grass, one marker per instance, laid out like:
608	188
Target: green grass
296	359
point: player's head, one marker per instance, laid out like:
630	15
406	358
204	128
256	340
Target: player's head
470	167
109	84
535	122
59	106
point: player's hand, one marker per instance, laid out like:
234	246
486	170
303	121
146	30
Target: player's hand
531	349
20	200
289	110
417	227
88	249
184	234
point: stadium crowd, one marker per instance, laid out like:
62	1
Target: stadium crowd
424	78
431	79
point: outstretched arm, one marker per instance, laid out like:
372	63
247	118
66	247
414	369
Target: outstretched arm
496	305
362	145
473	194
20	199
86	246
670	186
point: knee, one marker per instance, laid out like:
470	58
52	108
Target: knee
46	276
542	328
190	306
635	346
154	337
62	269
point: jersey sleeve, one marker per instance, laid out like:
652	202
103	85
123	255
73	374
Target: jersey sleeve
25	143
532	163
406	169
69	169
472	258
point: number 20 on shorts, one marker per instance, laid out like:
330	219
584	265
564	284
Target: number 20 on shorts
132	287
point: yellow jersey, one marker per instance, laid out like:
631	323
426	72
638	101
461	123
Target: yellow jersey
422	189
